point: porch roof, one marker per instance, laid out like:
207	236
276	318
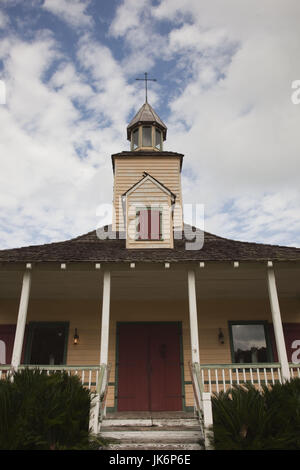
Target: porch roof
90	248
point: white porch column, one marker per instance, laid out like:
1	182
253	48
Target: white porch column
193	316
277	323
105	318
21	322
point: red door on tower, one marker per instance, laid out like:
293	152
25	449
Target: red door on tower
149	371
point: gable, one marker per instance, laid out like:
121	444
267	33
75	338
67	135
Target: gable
147	184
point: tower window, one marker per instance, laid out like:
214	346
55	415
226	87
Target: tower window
157	139
147	136
135	138
149	226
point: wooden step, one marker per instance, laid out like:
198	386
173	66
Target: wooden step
160	423
160	432
178	436
152	446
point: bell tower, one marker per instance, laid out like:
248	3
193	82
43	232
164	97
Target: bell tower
147	185
146	131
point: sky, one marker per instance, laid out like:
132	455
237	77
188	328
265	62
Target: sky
227	74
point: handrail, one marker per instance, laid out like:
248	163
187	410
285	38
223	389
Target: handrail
99	399
203	404
242	365
103	392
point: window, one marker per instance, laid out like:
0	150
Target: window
147	136
47	343
249	342
157	139
135	139
149	224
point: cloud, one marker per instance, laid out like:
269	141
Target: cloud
128	16
72	12
4	20
233	118
225	70
55	154
143	42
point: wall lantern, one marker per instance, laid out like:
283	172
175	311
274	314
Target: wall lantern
221	337
75	337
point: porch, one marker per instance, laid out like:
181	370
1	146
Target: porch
93	300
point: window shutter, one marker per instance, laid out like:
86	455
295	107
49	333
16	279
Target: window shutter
144	224
155	224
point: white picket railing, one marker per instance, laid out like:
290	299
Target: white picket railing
220	377
88	375
295	371
203	405
95	378
98	405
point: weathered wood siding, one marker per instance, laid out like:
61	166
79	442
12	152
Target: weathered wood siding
149	194
129	170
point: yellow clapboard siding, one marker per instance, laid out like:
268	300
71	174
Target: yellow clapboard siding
129	170
86	317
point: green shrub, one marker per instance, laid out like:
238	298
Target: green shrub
40	411
246	419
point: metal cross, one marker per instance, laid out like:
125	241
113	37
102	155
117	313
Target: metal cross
146	79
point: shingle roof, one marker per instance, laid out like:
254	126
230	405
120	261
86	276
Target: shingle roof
89	248
146	114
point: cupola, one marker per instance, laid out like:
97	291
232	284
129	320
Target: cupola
146	131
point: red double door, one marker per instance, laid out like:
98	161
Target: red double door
149	371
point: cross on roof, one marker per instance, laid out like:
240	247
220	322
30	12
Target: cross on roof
146	79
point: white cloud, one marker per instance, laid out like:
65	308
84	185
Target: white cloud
72	12
4	20
234	119
55	161
231	116
128	16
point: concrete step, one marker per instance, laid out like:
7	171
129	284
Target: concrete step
152	446
165	431
149	428
165	422
178	436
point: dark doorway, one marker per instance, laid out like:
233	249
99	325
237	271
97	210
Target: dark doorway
149	369
47	343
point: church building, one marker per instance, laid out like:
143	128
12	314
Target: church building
151	313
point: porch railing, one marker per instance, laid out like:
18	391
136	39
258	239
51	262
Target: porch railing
88	375
202	404
220	377
98	405
210	378
95	378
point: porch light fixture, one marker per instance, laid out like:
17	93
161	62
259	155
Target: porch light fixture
221	337
75	337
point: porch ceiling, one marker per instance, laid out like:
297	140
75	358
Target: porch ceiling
214	281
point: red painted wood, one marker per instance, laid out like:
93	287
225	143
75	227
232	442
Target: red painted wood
291	332
149	374
133	376
144	224
155	224
165	383
7	335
